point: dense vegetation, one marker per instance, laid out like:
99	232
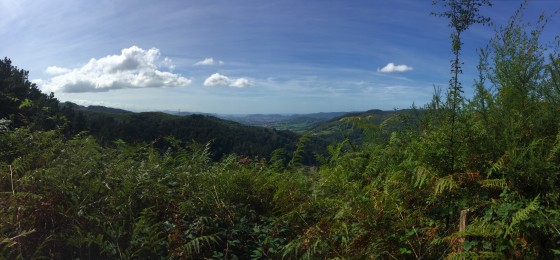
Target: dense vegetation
462	179
224	137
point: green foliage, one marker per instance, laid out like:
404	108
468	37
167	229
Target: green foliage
22	102
224	137
127	202
445	184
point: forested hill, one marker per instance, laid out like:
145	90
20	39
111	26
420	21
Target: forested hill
94	108
22	105
355	126
224	137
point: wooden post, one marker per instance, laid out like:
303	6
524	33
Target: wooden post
12	180
462	226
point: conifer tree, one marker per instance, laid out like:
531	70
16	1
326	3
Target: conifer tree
22	102
461	14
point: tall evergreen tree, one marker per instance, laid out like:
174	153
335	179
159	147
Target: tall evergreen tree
461	14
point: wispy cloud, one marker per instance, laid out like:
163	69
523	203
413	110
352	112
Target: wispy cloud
209	62
391	67
133	68
218	79
167	63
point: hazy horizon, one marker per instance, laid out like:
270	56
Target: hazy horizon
170	111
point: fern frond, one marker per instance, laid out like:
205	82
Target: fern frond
11	241
336	151
293	247
498	165
444	184
523	214
480	228
464	255
195	246
555	149
493	183
490	255
475	255
421	175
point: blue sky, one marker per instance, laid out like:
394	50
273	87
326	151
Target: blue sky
242	56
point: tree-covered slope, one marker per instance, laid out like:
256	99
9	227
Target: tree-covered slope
22	103
224	137
353	126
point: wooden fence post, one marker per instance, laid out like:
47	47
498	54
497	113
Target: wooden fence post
462	226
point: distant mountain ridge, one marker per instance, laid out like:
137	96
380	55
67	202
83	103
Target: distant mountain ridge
294	122
249	135
94	108
224	136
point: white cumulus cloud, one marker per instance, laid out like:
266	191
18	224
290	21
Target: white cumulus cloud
391	67
54	70
218	79
167	63
208	62
133	68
